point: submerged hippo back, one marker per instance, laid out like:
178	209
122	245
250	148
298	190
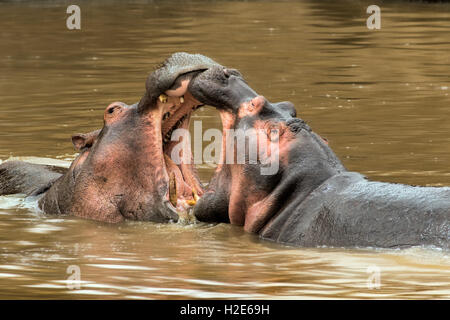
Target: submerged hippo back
348	210
27	178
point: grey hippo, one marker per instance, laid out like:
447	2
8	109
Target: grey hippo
311	200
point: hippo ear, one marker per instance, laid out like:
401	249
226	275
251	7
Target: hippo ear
85	140
80	141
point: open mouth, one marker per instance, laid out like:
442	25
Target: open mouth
184	185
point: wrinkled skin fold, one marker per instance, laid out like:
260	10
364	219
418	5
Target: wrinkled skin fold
312	200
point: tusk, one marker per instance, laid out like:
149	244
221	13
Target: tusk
193	201
194	193
181	99
163	98
173	190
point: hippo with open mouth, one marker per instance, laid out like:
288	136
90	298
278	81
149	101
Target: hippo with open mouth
124	170
311	200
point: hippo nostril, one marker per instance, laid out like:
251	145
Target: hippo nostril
231	72
111	110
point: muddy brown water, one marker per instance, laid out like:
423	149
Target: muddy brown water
381	98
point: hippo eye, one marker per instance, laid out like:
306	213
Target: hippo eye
113	110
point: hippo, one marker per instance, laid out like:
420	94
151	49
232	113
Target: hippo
124	171
311	200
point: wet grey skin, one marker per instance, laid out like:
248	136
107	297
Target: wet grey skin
313	200
120	172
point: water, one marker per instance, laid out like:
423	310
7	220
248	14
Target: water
381	98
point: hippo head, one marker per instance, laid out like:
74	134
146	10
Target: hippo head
124	170
291	160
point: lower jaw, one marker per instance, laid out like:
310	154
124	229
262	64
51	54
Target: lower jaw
184	185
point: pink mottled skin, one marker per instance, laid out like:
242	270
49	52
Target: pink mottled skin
123	171
249	206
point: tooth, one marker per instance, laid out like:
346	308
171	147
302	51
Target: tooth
166	115
163	98
190	202
194	193
193	201
168	136
173	190
181	99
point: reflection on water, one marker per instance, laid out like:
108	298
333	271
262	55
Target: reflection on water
380	97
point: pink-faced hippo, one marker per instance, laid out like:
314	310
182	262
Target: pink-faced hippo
124	171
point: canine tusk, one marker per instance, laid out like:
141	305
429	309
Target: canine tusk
193	201
181	99
173	190
163	98
194	193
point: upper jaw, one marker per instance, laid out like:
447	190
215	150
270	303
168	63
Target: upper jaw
175	110
220	88
164	78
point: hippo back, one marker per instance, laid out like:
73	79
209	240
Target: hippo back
349	211
27	178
